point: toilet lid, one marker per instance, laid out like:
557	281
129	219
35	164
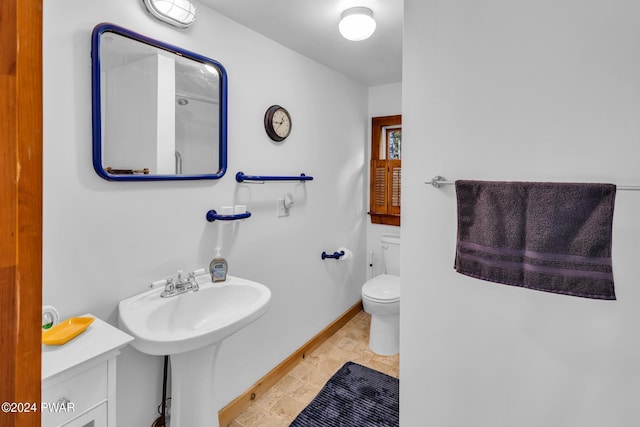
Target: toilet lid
383	288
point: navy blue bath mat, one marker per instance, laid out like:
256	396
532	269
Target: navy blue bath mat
356	396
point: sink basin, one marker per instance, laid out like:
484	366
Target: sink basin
189	328
165	326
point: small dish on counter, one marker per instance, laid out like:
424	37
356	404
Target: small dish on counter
66	330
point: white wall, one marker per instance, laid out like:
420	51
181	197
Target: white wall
497	89
384	100
105	241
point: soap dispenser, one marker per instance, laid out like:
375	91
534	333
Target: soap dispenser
218	268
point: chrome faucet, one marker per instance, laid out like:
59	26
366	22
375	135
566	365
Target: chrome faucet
180	286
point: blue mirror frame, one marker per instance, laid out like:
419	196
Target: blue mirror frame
98	31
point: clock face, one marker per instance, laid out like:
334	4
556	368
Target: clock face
277	123
281	123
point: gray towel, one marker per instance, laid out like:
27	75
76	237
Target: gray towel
553	237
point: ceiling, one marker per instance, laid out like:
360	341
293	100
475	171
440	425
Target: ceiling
310	27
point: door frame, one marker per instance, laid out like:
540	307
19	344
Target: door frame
21	134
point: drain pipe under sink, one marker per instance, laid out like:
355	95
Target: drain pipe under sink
161	421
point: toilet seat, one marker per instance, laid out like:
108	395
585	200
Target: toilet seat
383	289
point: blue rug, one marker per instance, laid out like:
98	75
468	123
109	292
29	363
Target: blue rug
356	396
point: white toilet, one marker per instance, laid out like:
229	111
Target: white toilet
381	299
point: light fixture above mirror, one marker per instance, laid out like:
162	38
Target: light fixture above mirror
357	23
180	13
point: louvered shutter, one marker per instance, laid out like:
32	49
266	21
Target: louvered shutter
379	195
386	184
395	182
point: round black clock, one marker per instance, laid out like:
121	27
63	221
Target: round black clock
277	123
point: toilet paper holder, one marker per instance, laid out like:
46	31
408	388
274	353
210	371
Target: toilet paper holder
341	254
336	255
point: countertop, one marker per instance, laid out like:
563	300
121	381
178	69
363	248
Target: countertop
99	339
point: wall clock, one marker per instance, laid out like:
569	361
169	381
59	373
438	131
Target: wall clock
277	123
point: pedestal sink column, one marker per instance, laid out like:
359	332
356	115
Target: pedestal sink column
192	396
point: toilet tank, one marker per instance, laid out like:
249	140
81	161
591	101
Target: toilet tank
391	253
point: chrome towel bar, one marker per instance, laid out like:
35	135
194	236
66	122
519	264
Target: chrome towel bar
438	181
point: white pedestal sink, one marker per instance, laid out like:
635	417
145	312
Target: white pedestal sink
189	328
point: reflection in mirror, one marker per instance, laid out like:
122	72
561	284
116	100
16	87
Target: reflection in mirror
159	112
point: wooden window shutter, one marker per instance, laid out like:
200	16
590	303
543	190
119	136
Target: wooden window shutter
386	184
395	183
379	194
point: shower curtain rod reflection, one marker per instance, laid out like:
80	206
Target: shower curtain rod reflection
439	181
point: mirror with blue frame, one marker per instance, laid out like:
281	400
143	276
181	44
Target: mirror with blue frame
159	112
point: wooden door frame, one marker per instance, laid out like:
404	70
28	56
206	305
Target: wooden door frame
20	210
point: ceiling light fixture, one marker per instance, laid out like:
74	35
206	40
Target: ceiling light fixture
357	23
180	13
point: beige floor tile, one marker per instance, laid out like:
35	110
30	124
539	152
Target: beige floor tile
270	398
288	407
305	393
287	383
255	416
307	372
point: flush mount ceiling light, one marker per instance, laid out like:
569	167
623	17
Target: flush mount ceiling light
180	13
357	23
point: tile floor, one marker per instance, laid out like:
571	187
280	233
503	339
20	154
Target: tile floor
279	406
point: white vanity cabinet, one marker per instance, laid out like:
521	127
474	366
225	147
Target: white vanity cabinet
79	378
